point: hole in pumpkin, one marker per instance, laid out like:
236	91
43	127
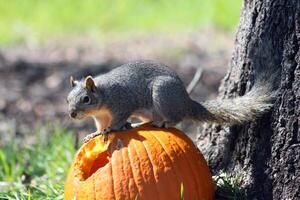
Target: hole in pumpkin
98	163
91	157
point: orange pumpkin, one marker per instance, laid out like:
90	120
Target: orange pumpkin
142	163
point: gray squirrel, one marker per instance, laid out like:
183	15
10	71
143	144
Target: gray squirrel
154	93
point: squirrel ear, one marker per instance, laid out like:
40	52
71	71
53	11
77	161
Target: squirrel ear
73	82
90	84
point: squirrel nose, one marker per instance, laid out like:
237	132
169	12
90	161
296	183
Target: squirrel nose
73	114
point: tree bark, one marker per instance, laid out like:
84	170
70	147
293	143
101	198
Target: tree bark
266	151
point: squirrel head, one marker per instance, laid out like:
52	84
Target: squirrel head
84	98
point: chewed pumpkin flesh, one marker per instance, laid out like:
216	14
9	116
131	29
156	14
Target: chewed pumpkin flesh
142	163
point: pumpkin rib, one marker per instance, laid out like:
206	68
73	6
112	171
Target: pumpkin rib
153	166
127	193
130	177
192	168
189	180
104	185
113	182
135	147
131	169
169	157
195	151
170	179
121	191
202	168
158	163
201	159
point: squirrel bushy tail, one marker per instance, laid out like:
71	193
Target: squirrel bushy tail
240	109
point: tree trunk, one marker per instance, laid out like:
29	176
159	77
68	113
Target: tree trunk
266	151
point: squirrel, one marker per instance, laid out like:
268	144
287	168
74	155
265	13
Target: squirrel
155	93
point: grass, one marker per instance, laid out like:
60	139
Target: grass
230	186
36	171
23	21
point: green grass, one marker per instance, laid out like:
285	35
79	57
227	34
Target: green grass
30	20
230	186
36	171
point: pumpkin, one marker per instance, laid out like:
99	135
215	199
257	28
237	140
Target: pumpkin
141	163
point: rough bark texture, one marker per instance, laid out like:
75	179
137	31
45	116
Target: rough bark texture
268	150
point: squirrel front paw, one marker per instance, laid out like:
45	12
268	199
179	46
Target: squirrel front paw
105	132
92	135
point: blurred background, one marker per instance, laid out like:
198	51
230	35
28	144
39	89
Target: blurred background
43	42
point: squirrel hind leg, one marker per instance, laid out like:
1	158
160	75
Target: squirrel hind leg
160	122
141	116
170	99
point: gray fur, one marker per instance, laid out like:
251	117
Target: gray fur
153	86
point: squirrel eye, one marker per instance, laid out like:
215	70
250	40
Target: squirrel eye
86	100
